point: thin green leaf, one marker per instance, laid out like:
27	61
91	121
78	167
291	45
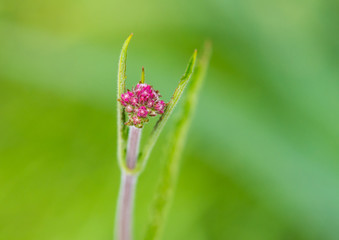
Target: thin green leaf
168	111
169	177
122	130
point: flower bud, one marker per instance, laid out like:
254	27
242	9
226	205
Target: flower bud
129	108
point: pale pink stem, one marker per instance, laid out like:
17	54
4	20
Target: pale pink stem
133	146
124	220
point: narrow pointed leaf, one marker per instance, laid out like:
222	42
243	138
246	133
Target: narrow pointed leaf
122	136
168	111
177	141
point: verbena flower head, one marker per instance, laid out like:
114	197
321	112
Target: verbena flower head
140	103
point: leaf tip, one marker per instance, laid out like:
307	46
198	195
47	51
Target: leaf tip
195	53
128	39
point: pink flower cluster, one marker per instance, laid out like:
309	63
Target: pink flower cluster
141	102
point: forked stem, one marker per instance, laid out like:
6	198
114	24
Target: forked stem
124	218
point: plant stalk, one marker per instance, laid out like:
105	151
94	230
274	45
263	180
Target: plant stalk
124	218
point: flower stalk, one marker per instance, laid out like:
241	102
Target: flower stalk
124	219
133	147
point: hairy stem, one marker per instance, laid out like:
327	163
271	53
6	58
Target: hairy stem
124	219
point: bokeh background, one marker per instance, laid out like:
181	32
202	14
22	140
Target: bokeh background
262	157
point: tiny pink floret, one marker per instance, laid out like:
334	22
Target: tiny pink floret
134	101
142	112
136	121
160	106
129	108
126	96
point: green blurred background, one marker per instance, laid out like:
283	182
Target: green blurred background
262	157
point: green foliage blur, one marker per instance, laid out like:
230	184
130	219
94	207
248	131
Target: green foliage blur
262	157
